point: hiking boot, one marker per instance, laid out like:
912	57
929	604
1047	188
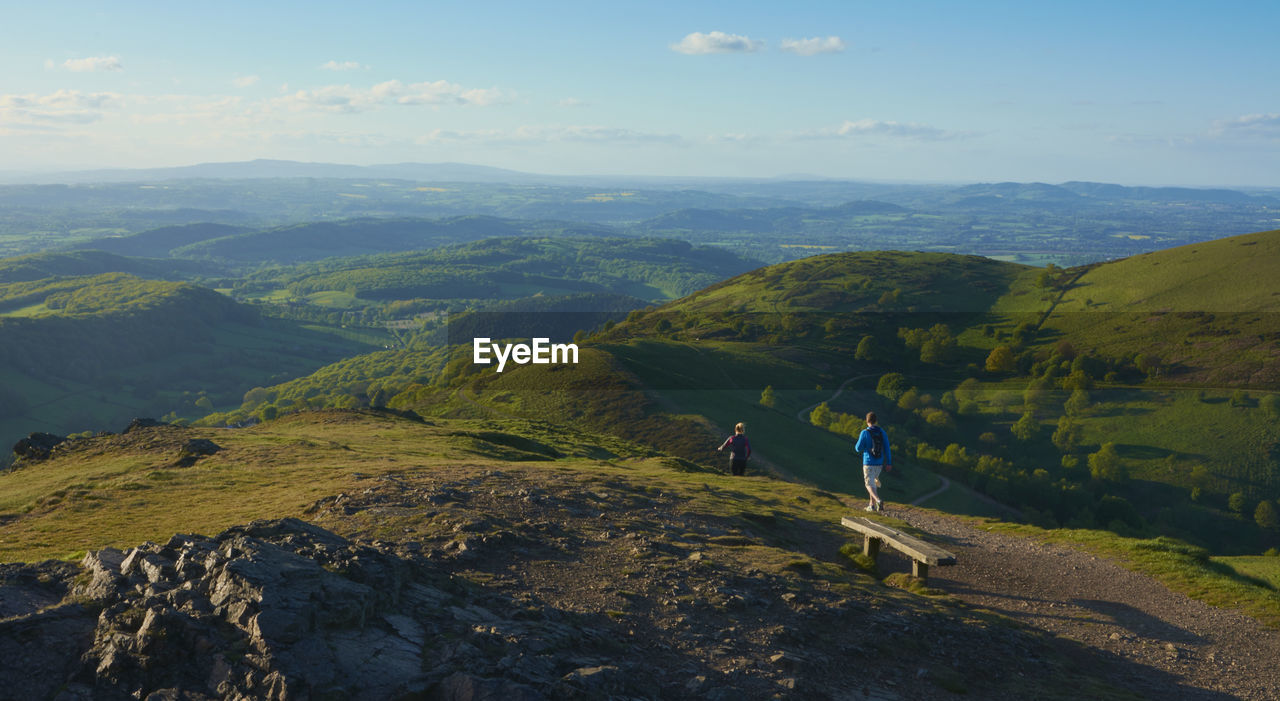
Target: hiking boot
868	508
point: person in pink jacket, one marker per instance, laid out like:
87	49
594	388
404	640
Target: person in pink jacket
739	449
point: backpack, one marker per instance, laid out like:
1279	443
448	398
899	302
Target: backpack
877	441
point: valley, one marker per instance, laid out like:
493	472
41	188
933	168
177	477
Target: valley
1117	416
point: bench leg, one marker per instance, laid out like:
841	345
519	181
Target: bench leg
919	569
871	547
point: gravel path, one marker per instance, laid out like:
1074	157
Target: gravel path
1200	651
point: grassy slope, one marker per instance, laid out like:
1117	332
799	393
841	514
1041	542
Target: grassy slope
121	490
153	342
849	282
691	375
1208	309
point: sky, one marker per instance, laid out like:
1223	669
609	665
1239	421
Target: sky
1135	92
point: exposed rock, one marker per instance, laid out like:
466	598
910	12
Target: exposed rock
195	449
278	610
138	423
36	446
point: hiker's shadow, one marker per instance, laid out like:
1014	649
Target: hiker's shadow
1137	621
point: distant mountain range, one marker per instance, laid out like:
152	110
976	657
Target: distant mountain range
469	173
267	168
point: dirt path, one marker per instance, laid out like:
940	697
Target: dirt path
803	414
1074	595
946	484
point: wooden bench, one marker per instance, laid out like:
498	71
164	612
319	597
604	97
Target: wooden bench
922	554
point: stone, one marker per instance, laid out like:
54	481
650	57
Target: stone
195	449
138	423
36	446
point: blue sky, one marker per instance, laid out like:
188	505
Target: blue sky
1134	92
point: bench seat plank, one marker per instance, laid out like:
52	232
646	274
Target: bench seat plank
920	551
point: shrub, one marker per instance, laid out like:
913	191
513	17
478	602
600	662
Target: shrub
866	349
1067	437
1105	464
1265	515
892	386
1026	428
821	415
1078	403
1000	360
1271	404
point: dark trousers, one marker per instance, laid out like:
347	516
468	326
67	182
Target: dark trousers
739	467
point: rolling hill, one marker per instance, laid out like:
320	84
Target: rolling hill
567	530
161	243
514	267
522	558
156	347
39	266
314	241
1073	424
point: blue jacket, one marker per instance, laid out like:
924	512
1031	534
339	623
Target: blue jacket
864	446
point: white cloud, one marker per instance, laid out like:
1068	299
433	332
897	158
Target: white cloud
245	81
716	43
816	45
93	64
342	66
571	102
61	107
1250	126
877	128
344	98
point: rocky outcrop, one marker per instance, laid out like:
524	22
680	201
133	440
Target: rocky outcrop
138	423
195	449
283	610
36	446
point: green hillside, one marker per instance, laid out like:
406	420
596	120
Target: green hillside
975	365
1212	305
161	242
91	352
39	266
507	268
605	546
352	237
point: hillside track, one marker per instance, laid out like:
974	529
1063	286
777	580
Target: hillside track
1201	652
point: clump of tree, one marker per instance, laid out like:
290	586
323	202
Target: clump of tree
836	422
892	386
1001	360
1105	465
935	345
1271	405
1266	515
867	350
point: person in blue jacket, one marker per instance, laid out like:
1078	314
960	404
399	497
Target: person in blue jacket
873	443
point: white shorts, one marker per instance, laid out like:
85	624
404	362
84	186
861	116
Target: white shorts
871	473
